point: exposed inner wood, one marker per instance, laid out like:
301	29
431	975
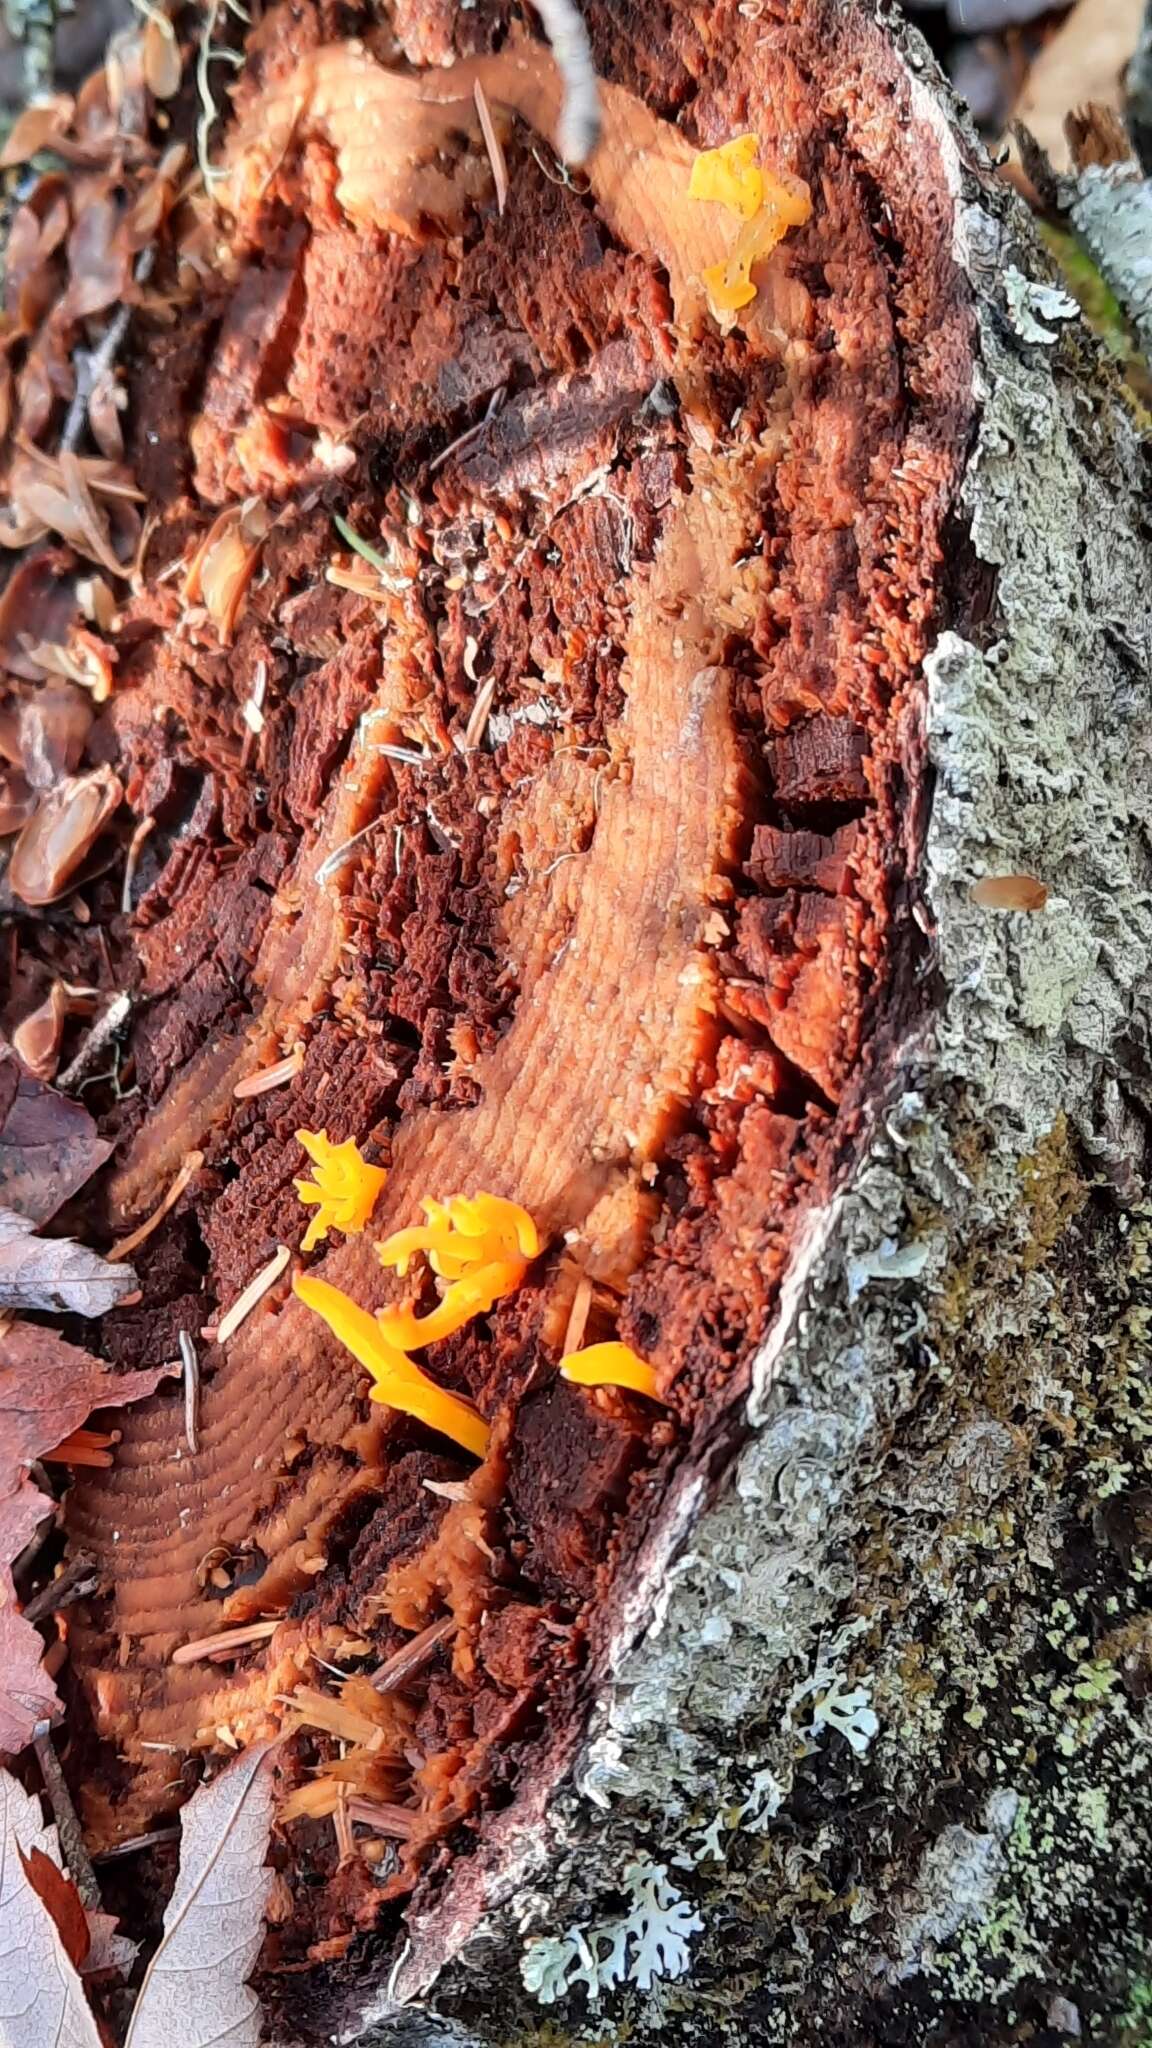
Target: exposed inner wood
619	956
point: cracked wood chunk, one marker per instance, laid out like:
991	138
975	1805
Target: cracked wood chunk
542	829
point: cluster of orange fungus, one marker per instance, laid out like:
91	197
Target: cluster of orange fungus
345	1188
396	1379
479	1244
767	204
610	1365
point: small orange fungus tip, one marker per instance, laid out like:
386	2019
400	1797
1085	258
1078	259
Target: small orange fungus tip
730	176
397	1382
610	1365
464	1233
345	1189
1009	892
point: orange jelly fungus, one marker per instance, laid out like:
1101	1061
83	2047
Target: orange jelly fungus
730	176
767	203
610	1365
397	1382
345	1189
480	1244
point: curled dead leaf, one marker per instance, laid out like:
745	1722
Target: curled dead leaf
42	2000
54	728
194	1989
56	1275
38	127
48	1388
18	801
49	1145
55	842
37	603
225	562
99	260
37	1039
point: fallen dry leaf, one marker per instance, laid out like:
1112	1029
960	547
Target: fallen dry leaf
48	1388
49	1145
90	1938
42	2000
56	1275
195	1990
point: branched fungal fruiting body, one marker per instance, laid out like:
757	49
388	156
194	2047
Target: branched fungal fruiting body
345	1190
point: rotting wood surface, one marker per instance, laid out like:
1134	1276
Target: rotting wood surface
636	960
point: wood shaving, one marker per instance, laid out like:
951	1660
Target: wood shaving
124	1248
271	1077
493	145
228	1640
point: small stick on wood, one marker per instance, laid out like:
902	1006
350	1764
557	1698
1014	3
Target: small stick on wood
131	860
271	1077
229	1639
67	1820
127	1245
191	1366
465	440
478	716
411	1656
103	1031
151	1840
493	145
246	1302
78	1578
339	855
395	1821
345	1839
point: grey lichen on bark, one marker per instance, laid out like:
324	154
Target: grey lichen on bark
876	1701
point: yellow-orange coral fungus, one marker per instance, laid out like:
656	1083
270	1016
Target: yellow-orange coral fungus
610	1365
730	175
480	1244
472	1295
462	1233
345	1189
397	1382
768	203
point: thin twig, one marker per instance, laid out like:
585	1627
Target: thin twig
91	364
151	1840
230	1639
103	1031
67	1820
493	145
464	441
339	855
191	1390
413	1655
397	1822
78	1579
246	1302
193	1161
131	861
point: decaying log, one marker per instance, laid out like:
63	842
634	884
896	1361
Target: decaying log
807	1705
